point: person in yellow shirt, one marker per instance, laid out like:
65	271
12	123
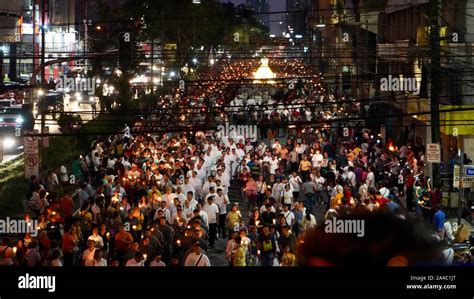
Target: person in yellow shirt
232	220
239	253
336	200
288	259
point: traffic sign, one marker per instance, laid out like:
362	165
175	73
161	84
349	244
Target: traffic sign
456	177
31	151
31	161
433	153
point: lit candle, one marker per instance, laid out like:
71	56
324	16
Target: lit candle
178	242
14	250
258	252
134	227
145	256
108	235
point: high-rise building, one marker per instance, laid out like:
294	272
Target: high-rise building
261	8
295	17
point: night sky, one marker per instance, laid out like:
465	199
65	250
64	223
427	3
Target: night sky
275	5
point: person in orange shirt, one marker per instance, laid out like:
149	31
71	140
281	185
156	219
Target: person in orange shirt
305	167
283	153
123	241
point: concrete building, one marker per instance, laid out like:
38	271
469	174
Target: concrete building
296	17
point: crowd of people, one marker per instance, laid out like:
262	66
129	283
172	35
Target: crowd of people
167	199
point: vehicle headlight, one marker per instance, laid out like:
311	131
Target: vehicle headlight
8	142
19	120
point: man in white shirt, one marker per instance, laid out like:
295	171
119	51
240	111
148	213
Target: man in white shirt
207	186
157	262
168	197
166	212
96	238
137	261
223	177
197	258
317	159
197	185
201	213
320	184
221	200
212	211
295	182
288	215
187	186
88	254
351	176
180	195
274	164
370	179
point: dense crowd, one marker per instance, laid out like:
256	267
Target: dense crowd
165	199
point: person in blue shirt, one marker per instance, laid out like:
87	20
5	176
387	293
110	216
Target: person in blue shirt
439	218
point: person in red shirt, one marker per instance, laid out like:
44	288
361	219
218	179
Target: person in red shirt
66	206
435	196
409	183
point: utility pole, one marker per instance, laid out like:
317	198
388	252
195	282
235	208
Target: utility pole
43	79
43	39
435	80
461	187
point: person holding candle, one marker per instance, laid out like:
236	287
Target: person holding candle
212	211
239	253
266	247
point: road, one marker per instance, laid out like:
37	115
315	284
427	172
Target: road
84	111
217	255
